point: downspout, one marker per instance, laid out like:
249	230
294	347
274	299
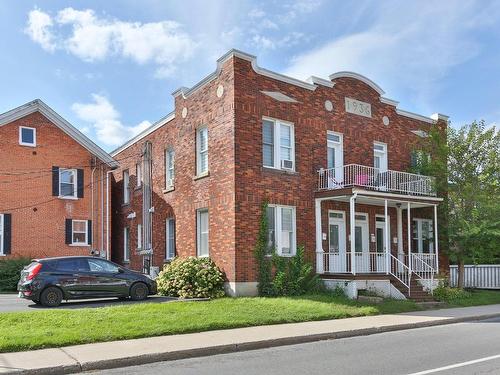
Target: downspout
102	211
92	201
108	255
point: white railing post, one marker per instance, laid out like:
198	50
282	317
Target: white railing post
387	242
409	236
319	237
352	203
436	237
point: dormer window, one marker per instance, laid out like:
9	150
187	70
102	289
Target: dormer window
27	136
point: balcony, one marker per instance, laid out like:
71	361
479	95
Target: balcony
355	175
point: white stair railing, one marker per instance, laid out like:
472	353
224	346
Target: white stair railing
400	271
422	270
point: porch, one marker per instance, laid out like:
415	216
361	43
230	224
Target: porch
354	209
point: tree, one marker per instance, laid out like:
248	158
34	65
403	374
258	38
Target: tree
466	164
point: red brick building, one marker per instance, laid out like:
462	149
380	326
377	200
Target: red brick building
330	156
54	186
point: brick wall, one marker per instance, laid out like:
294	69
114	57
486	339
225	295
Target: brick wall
38	218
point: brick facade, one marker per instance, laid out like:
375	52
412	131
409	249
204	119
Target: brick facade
26	192
237	182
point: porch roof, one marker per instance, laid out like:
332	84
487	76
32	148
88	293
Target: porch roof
376	198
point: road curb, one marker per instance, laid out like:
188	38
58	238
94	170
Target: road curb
240	347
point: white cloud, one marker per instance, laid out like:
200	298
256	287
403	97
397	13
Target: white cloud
298	8
39	29
256	13
105	120
93	38
289	40
410	47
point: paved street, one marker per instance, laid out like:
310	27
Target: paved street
11	302
443	350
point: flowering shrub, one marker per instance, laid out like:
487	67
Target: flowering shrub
447	294
191	278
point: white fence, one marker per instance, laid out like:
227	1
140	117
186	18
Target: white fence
483	276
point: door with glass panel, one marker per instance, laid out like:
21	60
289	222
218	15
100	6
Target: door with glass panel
381	176
423	243
335	159
361	244
337	262
380	243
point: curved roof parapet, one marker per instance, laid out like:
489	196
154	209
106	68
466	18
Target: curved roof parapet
362	78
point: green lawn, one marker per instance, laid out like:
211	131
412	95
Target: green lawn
53	328
479	297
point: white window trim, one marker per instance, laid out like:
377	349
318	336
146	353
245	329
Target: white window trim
86	243
138	174
2	223
277	143
169	154
199	172
167	257
381	153
126	186
75	184
139	236
418	222
198	233
21	136
126	241
278	227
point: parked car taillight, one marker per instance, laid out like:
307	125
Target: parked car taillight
33	271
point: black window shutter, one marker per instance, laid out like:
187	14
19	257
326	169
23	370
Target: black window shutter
69	230
79	180
89	232
55	181
7	233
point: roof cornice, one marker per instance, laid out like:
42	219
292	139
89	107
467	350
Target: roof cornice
362	78
38	105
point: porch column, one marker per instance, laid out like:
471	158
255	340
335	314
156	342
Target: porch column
399	217
387	242
352	214
319	237
436	238
409	237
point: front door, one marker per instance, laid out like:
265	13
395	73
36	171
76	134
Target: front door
336	242
423	243
380	262
361	244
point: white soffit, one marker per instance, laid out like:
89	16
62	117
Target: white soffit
279	96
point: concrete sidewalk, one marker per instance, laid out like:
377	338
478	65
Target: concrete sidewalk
139	351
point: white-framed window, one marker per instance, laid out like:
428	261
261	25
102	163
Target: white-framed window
278	144
139	236
202	229
79	232
126	186
169	167
27	136
201	151
169	239
1	234
423	236
282	229
380	156
138	174
67	183
126	244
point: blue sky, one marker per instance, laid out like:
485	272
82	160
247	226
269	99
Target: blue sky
110	67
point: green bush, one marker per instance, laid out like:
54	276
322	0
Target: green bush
447	294
10	270
191	278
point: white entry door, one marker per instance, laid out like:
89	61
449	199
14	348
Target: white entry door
336	242
381	263
361	243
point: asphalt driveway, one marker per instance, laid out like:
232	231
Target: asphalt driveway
11	302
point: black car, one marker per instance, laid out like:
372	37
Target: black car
48	281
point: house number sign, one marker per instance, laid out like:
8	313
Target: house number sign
357	107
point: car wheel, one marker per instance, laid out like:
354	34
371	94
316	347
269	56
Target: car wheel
51	297
139	292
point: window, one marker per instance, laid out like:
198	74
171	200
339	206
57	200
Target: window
278	144
79	232
1	234
139	236
126	244
281	230
169	168
100	265
67	183
202	151
27	136
202	232
126	187
380	156
423	236
170	239
138	174
72	265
